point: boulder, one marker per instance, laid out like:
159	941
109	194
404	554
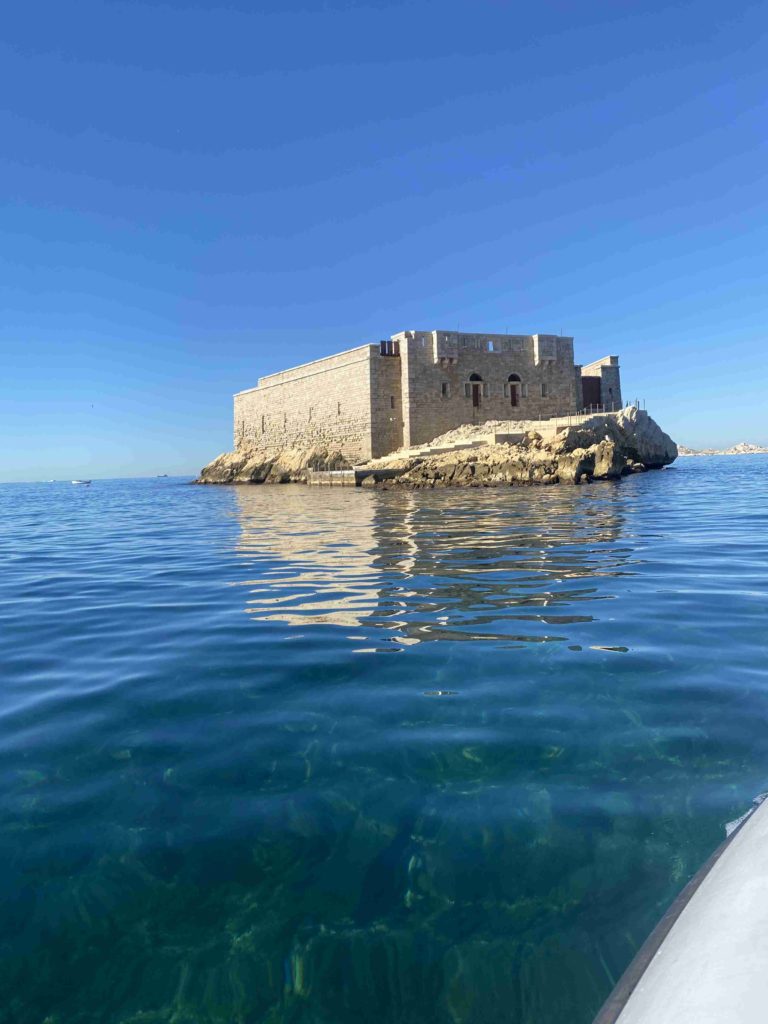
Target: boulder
604	447
254	466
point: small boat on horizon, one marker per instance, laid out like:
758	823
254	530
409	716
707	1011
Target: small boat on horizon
81	481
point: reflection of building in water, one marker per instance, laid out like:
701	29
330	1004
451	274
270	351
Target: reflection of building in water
331	566
516	565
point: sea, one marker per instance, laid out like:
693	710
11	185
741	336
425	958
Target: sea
290	755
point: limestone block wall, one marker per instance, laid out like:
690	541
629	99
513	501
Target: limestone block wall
607	369
326	402
386	404
373	399
436	365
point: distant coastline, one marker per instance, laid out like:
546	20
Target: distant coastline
742	448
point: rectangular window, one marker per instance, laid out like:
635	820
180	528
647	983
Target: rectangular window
338	408
391	401
524	390
467	390
445	389
544	390
486	390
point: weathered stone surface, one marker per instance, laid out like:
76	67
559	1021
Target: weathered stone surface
252	466
373	399
603	448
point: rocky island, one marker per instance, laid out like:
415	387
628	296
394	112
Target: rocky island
442	409
603	446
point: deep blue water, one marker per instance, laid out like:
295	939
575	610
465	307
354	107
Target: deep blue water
327	756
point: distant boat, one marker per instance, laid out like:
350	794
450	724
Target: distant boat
81	481
161	475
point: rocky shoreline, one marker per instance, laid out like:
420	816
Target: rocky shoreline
602	447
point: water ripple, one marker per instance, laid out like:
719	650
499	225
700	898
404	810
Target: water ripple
219	803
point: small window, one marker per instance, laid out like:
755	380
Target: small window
310	414
491	346
544	390
467	390
338	408
524	390
285	420
391	401
262	424
445	389
486	390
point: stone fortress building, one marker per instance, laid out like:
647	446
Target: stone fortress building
371	400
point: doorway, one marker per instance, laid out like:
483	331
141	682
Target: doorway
476	384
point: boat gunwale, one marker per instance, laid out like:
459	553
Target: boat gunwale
616	1003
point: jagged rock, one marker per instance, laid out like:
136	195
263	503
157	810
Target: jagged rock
252	466
604	447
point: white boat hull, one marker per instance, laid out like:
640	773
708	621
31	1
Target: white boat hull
707	960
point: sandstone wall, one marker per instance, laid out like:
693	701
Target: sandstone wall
327	402
436	358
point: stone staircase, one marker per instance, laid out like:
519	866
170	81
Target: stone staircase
420	451
511	432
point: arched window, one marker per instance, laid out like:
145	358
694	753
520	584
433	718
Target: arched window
513	388
474	388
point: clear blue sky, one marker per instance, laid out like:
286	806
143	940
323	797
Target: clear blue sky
195	194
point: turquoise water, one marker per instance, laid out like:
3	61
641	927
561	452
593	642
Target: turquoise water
327	756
